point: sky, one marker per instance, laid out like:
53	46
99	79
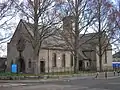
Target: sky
16	19
3	52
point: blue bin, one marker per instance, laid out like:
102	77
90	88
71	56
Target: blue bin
14	68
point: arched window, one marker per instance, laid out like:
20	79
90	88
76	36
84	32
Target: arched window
54	57
29	63
105	56
71	60
63	60
87	64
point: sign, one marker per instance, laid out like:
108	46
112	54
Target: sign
119	65
14	68
116	64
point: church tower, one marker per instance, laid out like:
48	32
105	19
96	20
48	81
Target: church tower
68	26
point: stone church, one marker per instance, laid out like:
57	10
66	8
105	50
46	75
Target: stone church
54	58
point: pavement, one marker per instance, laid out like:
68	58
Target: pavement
17	83
44	80
12	84
74	84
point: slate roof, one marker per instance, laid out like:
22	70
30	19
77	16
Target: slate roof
116	55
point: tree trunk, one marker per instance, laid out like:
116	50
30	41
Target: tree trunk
35	62
36	38
76	43
75	63
100	35
100	62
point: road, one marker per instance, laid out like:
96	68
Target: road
77	84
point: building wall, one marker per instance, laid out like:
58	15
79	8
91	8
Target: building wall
28	56
107	65
13	54
44	57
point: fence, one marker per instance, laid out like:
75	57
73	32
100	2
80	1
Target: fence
54	72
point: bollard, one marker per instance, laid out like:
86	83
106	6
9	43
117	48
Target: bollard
114	73
106	74
118	72
97	75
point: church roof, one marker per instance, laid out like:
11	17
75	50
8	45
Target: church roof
116	55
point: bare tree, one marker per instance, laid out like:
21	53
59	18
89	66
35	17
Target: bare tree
83	15
77	17
116	21
6	15
105	27
43	23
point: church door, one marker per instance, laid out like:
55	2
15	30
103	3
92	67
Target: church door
21	65
42	66
80	65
